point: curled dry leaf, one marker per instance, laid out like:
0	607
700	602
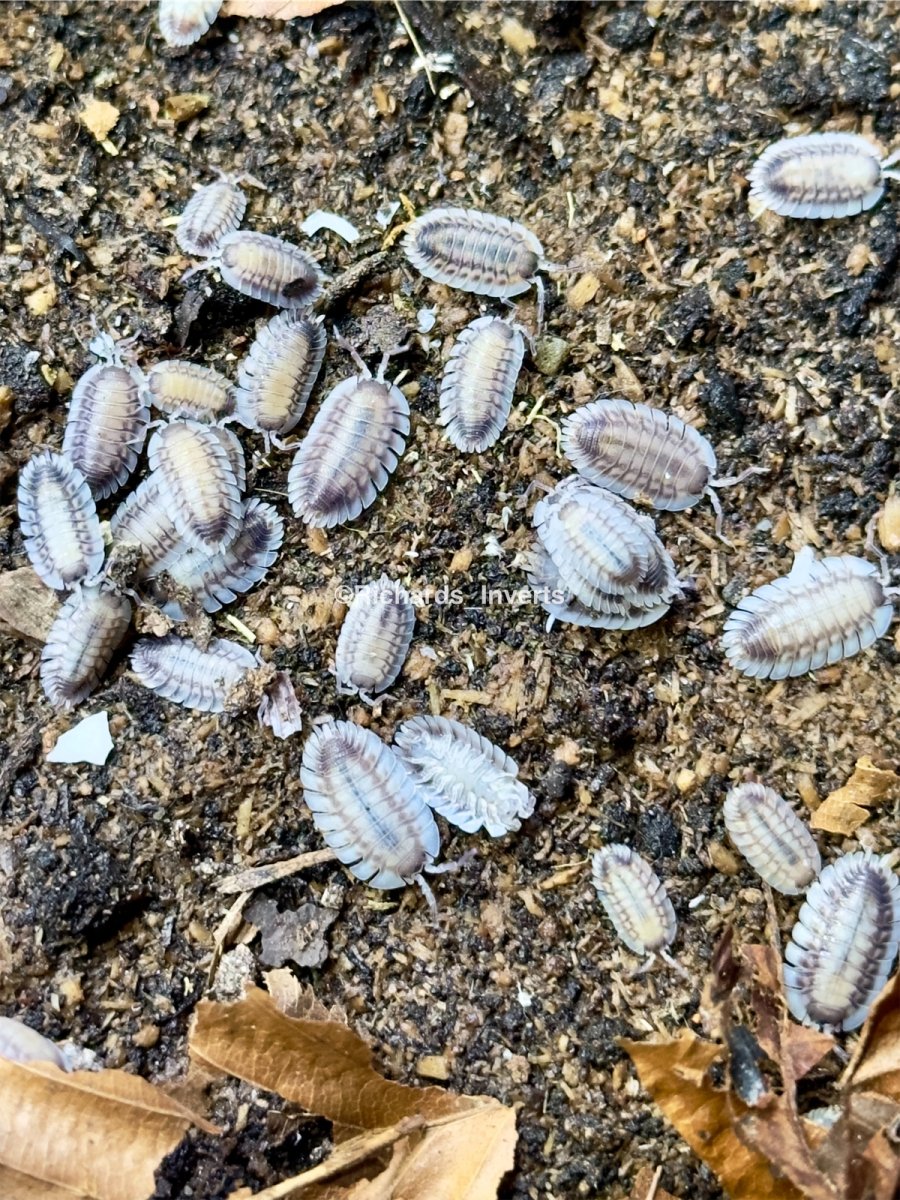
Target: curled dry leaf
96	1135
847	808
875	1065
275	10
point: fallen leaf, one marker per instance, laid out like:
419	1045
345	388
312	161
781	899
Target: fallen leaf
643	1183
875	1065
276	10
99	1135
847	808
853	1150
99	117
27	607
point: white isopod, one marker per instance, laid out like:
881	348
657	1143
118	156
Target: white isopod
350	451
367	808
606	612
212	211
467	779
144	519
479	382
179	670
237	460
844	942
826	609
202	487
20	1043
772	838
374	639
59	521
82	640
277	377
186	389
183	22
266	268
820	175
636	901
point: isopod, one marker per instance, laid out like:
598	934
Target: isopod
772	838
179	670
20	1043
144	519
467	779
367	808
350	451
202	487
820	175
186	389
824	610
107	422
212	211
59	521
266	268
82	640
479	382
477	252
636	901
279	708
277	376
607	611
183	22
374	639
231	444
844	942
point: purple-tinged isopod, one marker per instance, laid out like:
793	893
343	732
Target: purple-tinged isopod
266	268
561	604
374	639
180	671
82	640
636	901
59	521
277	376
210	213
183	22
202	488
772	838
479	382
186	389
144	519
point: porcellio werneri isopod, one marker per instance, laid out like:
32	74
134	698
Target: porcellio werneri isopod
479	382
772	837
202	488
844	942
267	268
367	808
82	640
558	601
374	639
467	779
144	519
277	376
59	521
183	22
231	444
635	900
350	451
107	421
20	1043
820	175
212	211
187	389
180	671
826	609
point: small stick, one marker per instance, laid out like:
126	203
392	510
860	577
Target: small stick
411	34
257	877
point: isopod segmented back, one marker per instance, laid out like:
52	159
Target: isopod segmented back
844	942
179	670
824	610
366	807
277	376
467	779
183	22
634	898
479	382
200	483
210	213
106	426
187	389
268	268
144	518
772	837
374	639
82	640
475	251
59	521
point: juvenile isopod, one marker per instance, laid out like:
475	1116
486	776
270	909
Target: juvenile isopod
561	604
212	211
276	378
231	444
479	382
350	451
477	252
107	421
186	389
144	518
636	901
826	609
59	521
20	1043
267	268
467	779
180	671
374	639
820	175
200	481
844	942
82	640
183	22
367	808
772	838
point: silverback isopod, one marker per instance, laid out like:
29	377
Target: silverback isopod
772	838
82	640
266	268
180	671
59	521
374	639
636	901
183	22
210	213
187	389
277	376
479	382
201	483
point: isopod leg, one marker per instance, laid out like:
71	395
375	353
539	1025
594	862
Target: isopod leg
674	964
720	518
873	548
429	896
541	302
455	864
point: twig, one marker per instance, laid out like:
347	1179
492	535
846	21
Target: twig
411	34
257	877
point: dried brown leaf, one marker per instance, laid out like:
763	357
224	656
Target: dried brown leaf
875	1065
853	1150
100	117
89	1134
276	10
795	1048
644	1181
847	808
27	607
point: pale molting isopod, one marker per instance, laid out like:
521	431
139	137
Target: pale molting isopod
20	1043
276	378
844	942
183	22
467	779
82	640
210	213
180	671
267	268
636	901
772	837
106	426
200	481
187	389
374	639
479	382
59	521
